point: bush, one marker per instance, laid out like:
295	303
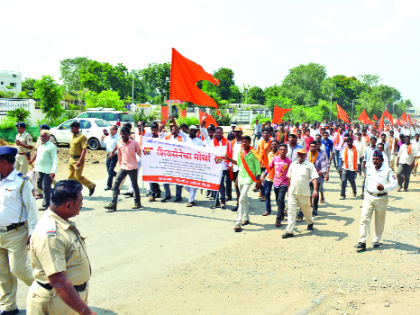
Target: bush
8	122
52	123
19	113
186	120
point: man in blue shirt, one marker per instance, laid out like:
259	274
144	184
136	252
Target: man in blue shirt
329	145
293	147
111	161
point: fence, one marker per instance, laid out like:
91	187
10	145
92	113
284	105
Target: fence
7	104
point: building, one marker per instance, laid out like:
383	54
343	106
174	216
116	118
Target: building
11	79
414	112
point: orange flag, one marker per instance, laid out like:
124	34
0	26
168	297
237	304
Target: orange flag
209	120
341	114
374	117
404	117
279	113
389	116
381	122
185	74
399	123
409	118
364	117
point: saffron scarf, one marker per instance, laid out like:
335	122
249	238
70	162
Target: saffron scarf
246	167
312	159
225	142
346	158
409	149
169	137
264	146
272	171
337	139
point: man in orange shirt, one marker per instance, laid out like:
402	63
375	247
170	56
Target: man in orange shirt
263	149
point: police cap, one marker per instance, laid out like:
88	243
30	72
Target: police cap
8	151
21	124
378	153
44	127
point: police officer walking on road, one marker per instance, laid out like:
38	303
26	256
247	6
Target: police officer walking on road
380	180
18	218
59	259
24	145
78	147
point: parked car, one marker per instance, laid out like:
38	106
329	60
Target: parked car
92	128
108	114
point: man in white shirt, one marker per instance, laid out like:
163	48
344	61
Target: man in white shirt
405	162
236	148
350	160
386	145
393	144
300	174
360	145
380	180
416	147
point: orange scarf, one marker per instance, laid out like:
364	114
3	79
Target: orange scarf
409	149
346	158
312	159
367	138
337	139
264	146
169	137
273	171
225	142
246	167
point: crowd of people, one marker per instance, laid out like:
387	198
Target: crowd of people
294	160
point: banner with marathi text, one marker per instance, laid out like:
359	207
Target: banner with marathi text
175	162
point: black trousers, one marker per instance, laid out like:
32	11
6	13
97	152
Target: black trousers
315	200
280	193
43	182
155	190
403	175
122	174
110	166
350	176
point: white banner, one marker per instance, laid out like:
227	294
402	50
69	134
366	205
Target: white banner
174	162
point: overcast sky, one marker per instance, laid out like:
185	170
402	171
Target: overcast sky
259	40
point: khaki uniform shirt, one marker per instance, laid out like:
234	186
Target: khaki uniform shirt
26	139
57	246
78	143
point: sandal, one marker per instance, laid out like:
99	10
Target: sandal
237	228
322	201
191	204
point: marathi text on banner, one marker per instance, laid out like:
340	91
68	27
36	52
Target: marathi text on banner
180	163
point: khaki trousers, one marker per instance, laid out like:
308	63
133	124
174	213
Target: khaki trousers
392	160
304	204
76	173
43	302
13	264
371	204
21	164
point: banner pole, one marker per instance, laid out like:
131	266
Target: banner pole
141	139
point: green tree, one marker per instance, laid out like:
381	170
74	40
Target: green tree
107	99
272	91
69	72
154	76
226	80
235	94
19	113
255	96
50	94
28	85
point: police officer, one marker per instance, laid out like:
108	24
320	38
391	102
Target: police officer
23	144
59	259
78	147
380	180
18	218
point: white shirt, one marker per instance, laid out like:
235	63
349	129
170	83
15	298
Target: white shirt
383	176
189	140
386	148
300	175
11	201
210	143
351	167
314	132
406	158
360	146
235	151
416	147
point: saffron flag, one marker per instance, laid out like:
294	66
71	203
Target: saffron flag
364	118
381	122
279	113
209	120
374	117
341	114
185	74
404	117
163	114
409	119
399	123
389	116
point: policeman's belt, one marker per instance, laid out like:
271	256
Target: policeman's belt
376	195
74	157
22	153
12	226
49	287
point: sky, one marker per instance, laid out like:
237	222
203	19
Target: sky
259	40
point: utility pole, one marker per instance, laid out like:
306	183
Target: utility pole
331	107
132	95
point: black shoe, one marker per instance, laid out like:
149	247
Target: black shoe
229	199
342	198
90	194
361	246
149	193
211	198
16	311
178	199
131	194
287	235
108	188
208	194
376	244
310	227
235	208
314	212
165	199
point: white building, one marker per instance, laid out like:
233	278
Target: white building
12	79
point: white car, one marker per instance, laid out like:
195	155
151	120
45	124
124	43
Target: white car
108	114
92	128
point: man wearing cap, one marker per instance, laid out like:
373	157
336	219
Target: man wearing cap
18	219
300	174
59	258
24	145
231	134
380	180
78	148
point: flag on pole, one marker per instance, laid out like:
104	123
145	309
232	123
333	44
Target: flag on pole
389	116
409	119
185	74
374	117
364	118
209	120
279	113
381	122
404	117
341	114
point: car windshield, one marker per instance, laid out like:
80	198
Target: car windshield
126	118
102	123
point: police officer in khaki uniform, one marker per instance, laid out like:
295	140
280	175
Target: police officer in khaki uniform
380	180
78	146
24	145
59	258
18	218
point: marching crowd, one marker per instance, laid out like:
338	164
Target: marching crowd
293	160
